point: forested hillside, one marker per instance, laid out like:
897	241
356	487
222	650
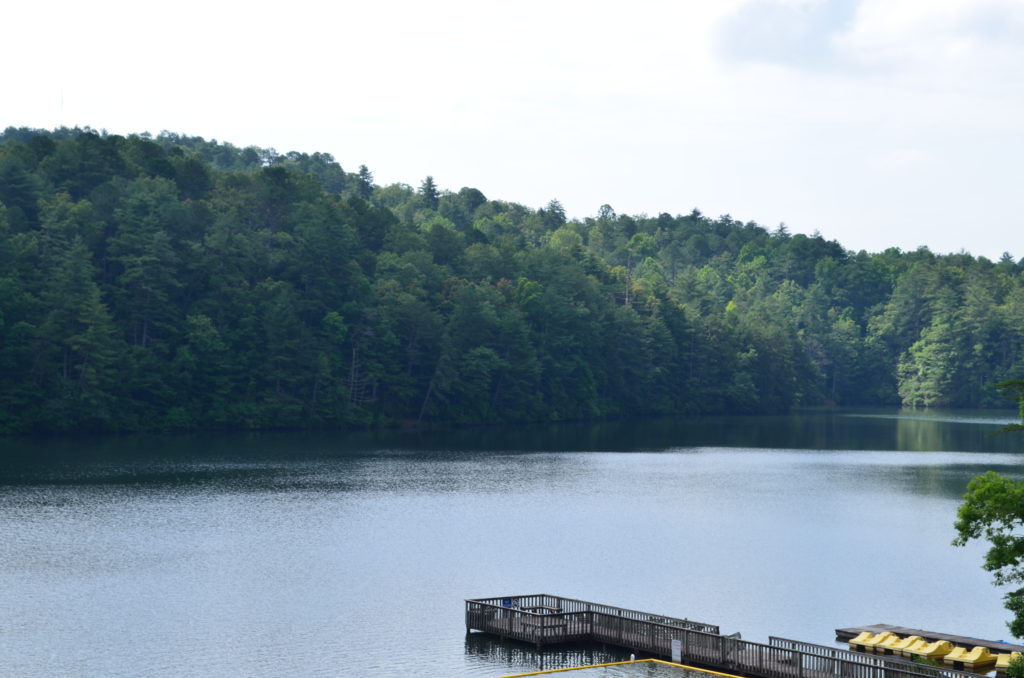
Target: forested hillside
174	282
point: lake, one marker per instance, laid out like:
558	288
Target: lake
313	554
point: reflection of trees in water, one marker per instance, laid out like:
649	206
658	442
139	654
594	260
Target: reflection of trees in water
269	461
949	481
923	435
839	430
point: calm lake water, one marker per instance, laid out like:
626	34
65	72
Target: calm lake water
329	555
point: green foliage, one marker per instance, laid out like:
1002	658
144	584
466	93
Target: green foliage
993	510
1016	667
177	282
1015	389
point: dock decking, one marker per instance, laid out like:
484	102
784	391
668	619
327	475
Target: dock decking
544	619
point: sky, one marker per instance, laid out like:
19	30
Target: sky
877	123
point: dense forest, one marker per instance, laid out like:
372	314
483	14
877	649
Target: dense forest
172	282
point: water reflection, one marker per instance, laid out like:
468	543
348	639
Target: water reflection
920	433
266	460
951	481
907	430
986	417
509	656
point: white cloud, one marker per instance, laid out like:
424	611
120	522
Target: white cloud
935	33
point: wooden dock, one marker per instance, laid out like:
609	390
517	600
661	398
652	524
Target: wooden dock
543	619
889	662
996	646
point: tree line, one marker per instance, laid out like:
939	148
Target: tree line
173	282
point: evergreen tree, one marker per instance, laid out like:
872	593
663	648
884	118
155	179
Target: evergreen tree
364	185
429	193
179	282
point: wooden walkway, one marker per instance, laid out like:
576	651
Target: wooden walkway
961	641
543	619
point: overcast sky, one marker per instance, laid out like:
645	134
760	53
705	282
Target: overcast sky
879	123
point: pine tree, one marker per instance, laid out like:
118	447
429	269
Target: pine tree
364	187
429	193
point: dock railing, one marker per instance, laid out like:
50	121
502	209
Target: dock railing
544	619
774	661
887	661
